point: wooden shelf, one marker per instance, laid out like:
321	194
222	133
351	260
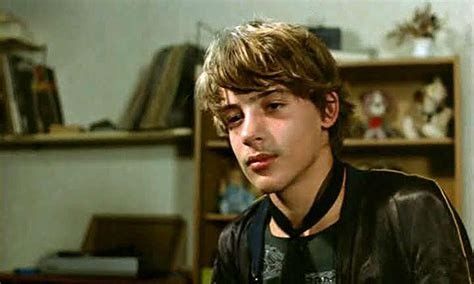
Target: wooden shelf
217	144
403	61
353	142
96	138
9	44
397	142
217	217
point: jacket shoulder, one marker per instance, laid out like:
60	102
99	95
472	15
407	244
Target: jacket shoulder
400	186
233	232
232	247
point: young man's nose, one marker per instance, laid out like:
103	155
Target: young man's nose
251	131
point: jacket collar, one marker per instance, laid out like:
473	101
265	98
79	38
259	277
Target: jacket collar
355	184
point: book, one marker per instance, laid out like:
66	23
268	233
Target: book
29	94
21	72
47	108
179	111
11	105
173	104
177	77
5	122
147	82
164	96
166	86
134	107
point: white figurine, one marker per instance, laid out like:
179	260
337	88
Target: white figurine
430	116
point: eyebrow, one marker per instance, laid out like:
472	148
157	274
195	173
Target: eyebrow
252	99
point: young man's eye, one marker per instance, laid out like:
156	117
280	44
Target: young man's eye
274	106
232	120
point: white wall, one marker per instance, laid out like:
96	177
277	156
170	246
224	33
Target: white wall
49	195
98	47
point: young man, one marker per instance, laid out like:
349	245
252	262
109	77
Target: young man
275	89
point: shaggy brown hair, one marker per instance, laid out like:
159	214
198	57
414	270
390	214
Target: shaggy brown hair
258	55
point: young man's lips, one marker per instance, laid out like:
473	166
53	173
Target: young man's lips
260	162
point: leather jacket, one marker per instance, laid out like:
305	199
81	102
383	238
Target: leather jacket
393	228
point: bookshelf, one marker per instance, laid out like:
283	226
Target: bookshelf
178	138
159	112
99	138
439	159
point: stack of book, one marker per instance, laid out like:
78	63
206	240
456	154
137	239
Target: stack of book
164	96
29	100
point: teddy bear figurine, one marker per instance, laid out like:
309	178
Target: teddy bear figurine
374	106
429	116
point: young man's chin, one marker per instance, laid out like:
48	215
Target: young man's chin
266	186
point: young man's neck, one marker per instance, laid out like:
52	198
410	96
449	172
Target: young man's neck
296	200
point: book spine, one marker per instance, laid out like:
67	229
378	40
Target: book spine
165	90
153	80
173	86
51	77
22	72
5	122
47	108
12	104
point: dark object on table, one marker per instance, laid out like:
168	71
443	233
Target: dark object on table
104	124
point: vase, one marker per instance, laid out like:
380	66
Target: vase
422	47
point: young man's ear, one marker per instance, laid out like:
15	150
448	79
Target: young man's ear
330	114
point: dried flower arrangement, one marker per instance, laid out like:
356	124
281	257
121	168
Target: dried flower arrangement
423	24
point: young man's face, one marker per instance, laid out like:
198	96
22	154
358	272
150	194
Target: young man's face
277	137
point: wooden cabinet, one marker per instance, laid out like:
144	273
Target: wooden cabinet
438	158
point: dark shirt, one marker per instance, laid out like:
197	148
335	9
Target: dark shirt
321	247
